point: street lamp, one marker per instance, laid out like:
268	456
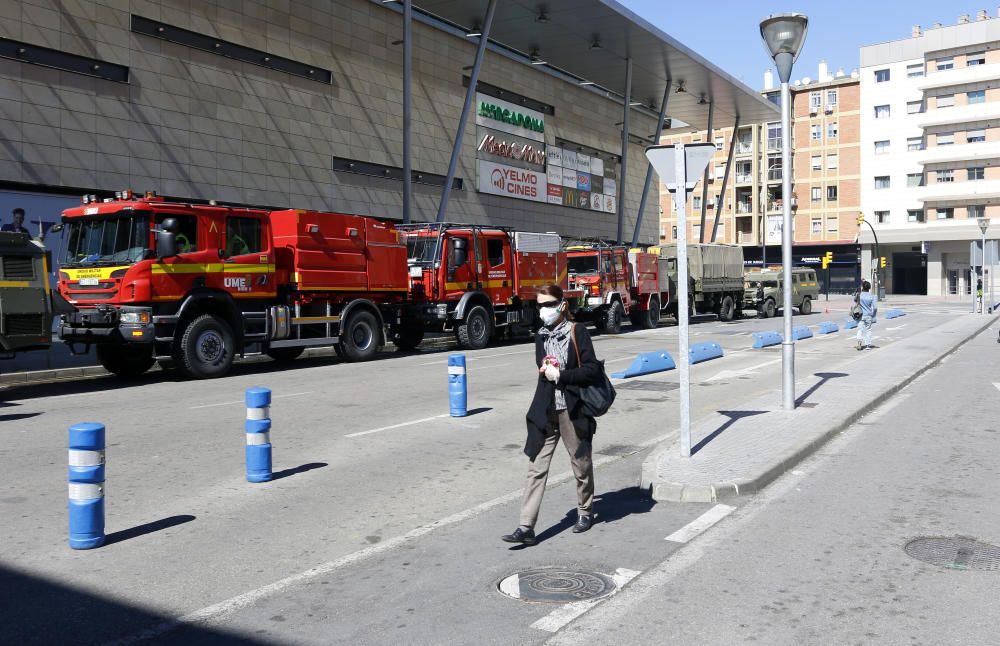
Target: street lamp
783	35
984	224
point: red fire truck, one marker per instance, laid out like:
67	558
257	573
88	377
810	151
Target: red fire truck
197	285
479	282
618	282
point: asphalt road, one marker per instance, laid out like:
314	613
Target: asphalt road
383	525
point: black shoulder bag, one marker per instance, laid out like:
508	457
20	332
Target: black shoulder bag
596	399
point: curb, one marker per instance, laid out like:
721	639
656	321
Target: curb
679	492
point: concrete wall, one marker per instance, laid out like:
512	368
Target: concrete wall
195	124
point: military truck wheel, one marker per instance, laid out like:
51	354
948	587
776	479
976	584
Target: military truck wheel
769	308
284	355
359	338
475	333
727	309
806	307
126	361
207	348
613	318
407	337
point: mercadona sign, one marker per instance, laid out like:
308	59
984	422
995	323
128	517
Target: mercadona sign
507	117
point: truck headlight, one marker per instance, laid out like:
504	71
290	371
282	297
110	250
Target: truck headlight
135	318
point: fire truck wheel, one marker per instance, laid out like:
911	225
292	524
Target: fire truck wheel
651	317
359	340
769	309
613	319
206	348
475	333
727	309
285	354
407	337
125	361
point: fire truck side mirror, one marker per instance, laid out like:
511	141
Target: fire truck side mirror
460	251
166	239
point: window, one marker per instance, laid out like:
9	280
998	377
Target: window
494	252
915	215
946	100
187	230
976	96
882	181
975	136
914	107
881	112
815	100
976	173
914	179
881	147
816	194
831	193
696	203
815	132
817	162
881	76
915	70
719	142
881	217
974	211
831	224
832	162
243	236
945	138
945	176
817	225
945	214
945	63
673	233
914	143
975	58
831	97
831	130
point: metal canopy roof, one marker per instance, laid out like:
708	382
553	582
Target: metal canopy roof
566	42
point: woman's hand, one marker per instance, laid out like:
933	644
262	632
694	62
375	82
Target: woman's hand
551	373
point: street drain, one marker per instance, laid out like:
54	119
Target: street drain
557	586
955	552
647	385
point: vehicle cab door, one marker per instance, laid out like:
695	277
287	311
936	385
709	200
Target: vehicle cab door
173	277
247	268
459	264
499	264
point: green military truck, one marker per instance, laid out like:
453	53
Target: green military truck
27	304
805	290
715	278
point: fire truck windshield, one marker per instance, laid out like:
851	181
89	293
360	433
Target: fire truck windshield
106	240
421	249
583	264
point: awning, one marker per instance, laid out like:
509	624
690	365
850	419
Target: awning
590	39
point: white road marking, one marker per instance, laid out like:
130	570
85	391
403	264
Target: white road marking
700	524
241	401
996	385
249	598
728	374
392	426
562	615
890	329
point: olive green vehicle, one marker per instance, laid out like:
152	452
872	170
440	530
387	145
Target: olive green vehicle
27	304
805	290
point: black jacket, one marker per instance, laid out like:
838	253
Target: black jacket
571	377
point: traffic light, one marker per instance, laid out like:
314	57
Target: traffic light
861	218
881	262
827	259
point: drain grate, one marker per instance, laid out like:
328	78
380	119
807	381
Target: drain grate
955	552
551	585
647	385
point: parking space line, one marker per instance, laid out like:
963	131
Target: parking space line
240	401
700	524
392	426
562	615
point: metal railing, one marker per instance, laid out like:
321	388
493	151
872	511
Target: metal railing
774	175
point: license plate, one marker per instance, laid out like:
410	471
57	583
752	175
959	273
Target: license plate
88	282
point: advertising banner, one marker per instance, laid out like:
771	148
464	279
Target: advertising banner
554	155
596	202
505	148
569	178
509	117
610	186
570	197
596	183
583	163
520	183
555	194
596	166
555	175
569	159
610	204
583	181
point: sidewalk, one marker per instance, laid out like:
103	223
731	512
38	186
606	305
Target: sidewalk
740	451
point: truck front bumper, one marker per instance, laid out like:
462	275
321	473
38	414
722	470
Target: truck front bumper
108	325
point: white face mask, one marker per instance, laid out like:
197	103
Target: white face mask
550	315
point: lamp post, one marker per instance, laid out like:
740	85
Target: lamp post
984	224
783	36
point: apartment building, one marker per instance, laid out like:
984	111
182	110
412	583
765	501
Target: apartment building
825	182
930	153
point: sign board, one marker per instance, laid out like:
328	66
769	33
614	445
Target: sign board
696	157
509	117
774	229
520	183
504	148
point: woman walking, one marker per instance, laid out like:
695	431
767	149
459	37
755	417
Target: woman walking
869	308
565	358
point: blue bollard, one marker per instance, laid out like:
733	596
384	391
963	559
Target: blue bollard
86	485
765	339
258	428
458	387
850	324
801	332
646	364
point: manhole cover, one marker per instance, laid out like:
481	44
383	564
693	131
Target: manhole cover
955	552
647	385
557	586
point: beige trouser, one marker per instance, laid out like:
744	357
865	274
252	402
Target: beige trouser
538	470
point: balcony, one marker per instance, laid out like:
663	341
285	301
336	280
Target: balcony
775	206
744	208
960	152
744	179
960	76
955	191
744	147
774	175
960	114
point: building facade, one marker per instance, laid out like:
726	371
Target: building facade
930	157
825	181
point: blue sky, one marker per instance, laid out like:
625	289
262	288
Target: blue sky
726	32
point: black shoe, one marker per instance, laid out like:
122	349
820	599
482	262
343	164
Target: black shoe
583	523
521	535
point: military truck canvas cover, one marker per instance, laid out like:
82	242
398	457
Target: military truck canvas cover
712	267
